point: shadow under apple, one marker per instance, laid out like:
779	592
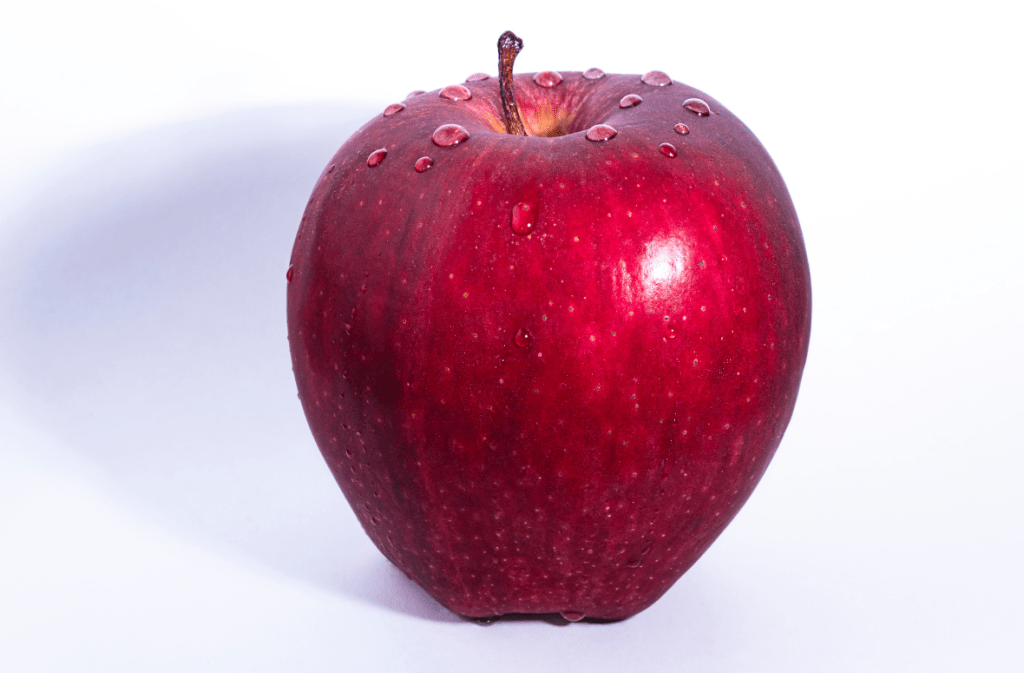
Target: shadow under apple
142	297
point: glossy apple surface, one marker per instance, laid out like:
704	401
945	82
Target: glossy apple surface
547	371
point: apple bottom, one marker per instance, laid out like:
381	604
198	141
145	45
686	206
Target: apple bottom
574	514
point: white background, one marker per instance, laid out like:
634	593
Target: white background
162	503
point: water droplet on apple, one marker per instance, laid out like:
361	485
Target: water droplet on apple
330	169
523	338
547	79
573	616
682	129
449	134
668	149
671	331
376	157
477	77
455	92
363	289
630	100
393	108
633	563
422	164
593	73
697	106
722	259
600	132
413	94
524	216
289	273
656	78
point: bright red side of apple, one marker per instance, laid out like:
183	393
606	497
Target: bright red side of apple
565	418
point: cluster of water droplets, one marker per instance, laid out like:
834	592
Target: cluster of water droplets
449	135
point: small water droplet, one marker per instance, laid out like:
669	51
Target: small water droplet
524	216
547	79
593	73
449	134
572	616
289	273
423	163
523	338
477	77
393	108
601	132
413	94
630	100
455	92
376	157
656	78
698	106
682	129
633	563
671	330
363	289
668	149
330	169
722	259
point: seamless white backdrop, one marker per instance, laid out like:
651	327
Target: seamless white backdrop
162	504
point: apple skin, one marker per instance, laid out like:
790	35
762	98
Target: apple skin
581	469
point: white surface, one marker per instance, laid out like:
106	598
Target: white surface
162	504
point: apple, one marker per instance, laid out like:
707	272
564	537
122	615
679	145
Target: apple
548	331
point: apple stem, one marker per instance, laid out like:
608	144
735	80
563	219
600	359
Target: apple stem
509	47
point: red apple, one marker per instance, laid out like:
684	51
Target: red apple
548	369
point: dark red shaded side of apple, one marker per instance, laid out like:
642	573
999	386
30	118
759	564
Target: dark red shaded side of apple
662	306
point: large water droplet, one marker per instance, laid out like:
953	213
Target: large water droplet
449	134
668	149
524	216
656	78
330	169
422	164
630	100
376	157
523	338
633	563
572	616
593	73
289	273
413	94
671	331
455	92
477	77
600	132
547	79
682	129
393	108
698	106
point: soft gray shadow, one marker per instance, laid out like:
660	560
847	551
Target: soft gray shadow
142	317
